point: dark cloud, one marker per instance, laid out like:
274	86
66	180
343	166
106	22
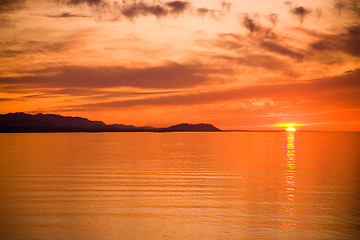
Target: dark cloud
261	60
143	9
29	47
347	42
348	5
65	15
250	24
277	48
133	8
265	61
80	93
228	44
177	6
215	13
301	13
11	5
79	2
339	6
232	41
7	6
11	52
256	29
168	76
344	90
158	9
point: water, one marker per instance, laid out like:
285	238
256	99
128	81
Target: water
227	185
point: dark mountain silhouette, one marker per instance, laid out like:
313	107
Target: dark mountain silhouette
22	122
186	127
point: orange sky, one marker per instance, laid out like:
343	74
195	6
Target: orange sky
237	65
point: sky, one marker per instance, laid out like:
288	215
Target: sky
235	64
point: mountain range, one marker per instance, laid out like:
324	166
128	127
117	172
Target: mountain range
22	122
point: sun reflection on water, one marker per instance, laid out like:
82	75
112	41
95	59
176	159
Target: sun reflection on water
290	175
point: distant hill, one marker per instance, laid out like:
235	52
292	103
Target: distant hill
185	127
22	122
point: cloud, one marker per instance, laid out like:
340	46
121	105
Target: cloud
80	2
168	76
339	5
215	13
348	5
226	5
265	61
65	15
202	11
256	29
131	9
7	6
273	17
347	42
142	9
250	24
301	13
35	47
11	5
234	42
80	93
340	90
274	47
177	6
228	44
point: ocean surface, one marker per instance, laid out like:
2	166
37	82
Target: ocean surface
179	186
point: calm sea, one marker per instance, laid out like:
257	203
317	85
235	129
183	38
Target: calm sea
178	186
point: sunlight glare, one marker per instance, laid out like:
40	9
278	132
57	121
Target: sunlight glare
290	129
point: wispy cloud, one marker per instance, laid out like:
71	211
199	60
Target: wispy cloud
347	42
280	49
299	11
36	47
132	9
11	5
215	13
342	90
65	15
168	76
81	2
256	29
347	5
273	17
264	61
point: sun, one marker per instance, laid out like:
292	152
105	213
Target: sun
290	129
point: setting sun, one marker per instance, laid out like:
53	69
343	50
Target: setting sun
290	129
